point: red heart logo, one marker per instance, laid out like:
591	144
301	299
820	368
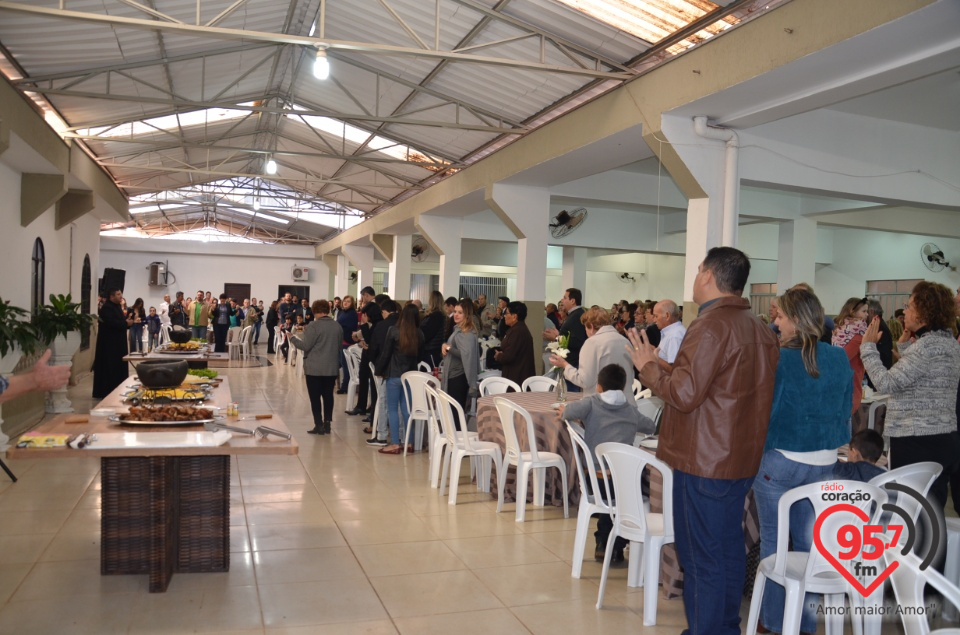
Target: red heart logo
859	513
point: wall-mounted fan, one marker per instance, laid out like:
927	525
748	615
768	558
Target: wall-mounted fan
933	258
625	278
420	250
565	222
353	276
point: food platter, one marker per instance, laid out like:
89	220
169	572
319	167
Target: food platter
166	416
179	349
165	424
192	394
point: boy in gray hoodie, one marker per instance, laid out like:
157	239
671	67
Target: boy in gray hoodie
607	416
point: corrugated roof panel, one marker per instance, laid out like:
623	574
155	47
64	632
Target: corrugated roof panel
356	83
457	143
513	93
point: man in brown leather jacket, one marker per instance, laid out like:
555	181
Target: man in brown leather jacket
717	406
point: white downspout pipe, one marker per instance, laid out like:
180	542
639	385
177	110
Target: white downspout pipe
731	182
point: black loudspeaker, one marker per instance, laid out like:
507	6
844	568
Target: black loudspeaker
112	278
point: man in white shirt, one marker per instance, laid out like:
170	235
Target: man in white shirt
672	330
165	311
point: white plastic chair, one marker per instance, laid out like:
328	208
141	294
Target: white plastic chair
462	444
352	355
632	521
918	476
424	367
590	504
239	346
381	398
277	341
639	392
439	444
296	359
908	585
413	382
497	386
526	461
800	572
165	333
538	383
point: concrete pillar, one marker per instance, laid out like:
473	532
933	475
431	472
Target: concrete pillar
574	272
704	223
361	257
341	280
399	268
797	253
526	212
445	236
320	287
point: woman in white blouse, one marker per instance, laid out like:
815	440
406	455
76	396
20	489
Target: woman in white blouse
604	346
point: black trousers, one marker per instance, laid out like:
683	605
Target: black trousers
220	337
939	448
459	389
366	381
320	389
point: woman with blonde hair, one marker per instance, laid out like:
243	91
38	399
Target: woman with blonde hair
851	324
808	423
604	346
461	358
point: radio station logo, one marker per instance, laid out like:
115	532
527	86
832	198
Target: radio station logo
855	549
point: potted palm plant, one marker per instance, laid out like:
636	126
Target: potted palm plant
59	324
17	336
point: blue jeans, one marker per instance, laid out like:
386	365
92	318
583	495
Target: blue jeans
256	332
778	475
346	369
136	338
199	332
708	523
396	402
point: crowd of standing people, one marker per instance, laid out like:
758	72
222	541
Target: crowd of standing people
748	405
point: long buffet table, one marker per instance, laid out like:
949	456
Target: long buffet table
163	510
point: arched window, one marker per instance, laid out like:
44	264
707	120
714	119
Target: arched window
85	288
39	275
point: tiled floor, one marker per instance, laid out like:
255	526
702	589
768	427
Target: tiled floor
339	539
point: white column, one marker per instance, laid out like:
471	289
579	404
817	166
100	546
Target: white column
399	268
574	272
704	221
798	251
361	257
444	235
320	284
341	281
526	212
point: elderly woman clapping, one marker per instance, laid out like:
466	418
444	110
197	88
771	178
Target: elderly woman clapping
921	412
603	346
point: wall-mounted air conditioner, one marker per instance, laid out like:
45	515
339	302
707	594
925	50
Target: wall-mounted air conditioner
300	274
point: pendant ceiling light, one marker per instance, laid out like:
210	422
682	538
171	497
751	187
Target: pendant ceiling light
321	66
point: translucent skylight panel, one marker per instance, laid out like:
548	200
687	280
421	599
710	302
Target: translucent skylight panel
653	20
205	116
327	219
358	136
153	207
